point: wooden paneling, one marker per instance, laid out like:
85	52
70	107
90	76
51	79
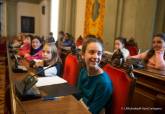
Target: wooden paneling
3	82
149	94
2	85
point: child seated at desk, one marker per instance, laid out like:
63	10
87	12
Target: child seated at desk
154	57
94	84
50	57
35	52
18	40
67	41
25	46
120	45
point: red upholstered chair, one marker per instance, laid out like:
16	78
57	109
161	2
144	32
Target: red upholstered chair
133	50
71	69
123	87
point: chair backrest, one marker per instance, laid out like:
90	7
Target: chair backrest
132	50
122	89
71	69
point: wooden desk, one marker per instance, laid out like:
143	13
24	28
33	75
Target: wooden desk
65	105
149	91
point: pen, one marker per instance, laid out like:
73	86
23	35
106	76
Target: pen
45	98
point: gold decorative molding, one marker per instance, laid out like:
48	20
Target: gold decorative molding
94	25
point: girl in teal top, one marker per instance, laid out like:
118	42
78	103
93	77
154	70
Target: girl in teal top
94	84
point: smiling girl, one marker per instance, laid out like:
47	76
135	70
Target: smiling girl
94	84
35	52
155	57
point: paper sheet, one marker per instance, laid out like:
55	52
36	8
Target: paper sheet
108	52
44	81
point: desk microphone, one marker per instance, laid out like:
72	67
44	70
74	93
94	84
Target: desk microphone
25	88
30	80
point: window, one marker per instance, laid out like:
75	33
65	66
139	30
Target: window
27	24
54	17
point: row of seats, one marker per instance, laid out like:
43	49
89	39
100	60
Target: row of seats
123	85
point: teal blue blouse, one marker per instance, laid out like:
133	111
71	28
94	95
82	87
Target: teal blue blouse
95	91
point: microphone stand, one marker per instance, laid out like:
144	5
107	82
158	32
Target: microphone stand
43	70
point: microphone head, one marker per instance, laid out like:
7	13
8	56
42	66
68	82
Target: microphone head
32	63
16	60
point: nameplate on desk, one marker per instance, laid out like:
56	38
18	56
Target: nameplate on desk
46	81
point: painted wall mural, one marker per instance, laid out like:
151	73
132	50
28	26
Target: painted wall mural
94	17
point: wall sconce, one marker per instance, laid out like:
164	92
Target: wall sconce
43	10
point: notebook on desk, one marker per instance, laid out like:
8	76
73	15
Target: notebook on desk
45	81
